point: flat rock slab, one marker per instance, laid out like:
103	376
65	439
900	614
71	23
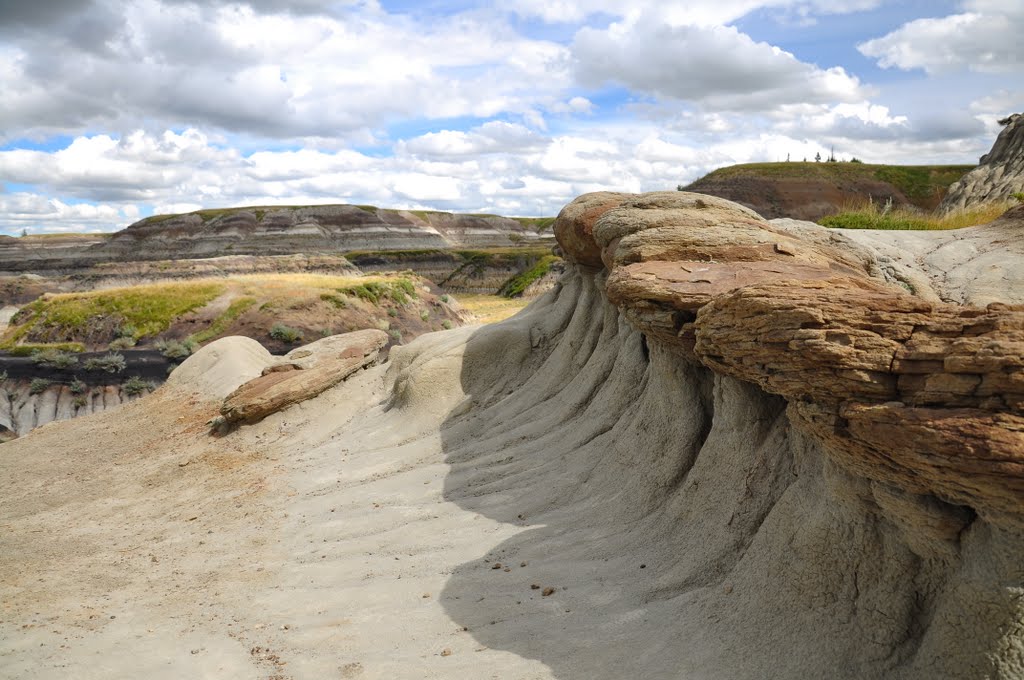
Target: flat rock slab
303	374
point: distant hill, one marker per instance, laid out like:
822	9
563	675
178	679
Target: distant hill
809	191
282	230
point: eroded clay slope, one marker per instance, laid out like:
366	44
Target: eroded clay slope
718	448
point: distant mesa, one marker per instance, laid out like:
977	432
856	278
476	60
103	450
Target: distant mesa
810	191
320	228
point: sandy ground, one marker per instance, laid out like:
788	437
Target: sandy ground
238	557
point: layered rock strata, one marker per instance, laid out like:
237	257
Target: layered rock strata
923	395
999	175
326	229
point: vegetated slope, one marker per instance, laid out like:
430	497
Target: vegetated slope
313	305
809	191
47	352
689	463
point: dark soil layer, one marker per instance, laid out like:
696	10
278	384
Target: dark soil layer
145	363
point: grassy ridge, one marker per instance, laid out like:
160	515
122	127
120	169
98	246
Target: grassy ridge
145	310
914	181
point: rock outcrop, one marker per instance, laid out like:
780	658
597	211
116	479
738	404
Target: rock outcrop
719	448
23	409
302	374
999	175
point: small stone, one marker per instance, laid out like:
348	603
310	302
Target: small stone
547	591
496	565
522	564
446	652
534	586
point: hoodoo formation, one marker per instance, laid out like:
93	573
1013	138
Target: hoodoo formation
999	175
720	447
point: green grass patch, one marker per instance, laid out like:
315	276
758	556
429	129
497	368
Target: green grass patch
221	323
28	349
537	224
285	333
148	310
874	216
375	292
516	285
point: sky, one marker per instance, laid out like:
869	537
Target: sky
115	110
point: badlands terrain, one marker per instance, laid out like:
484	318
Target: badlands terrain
718	447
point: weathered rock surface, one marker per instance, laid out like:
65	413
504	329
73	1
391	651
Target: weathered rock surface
21	411
667	498
302	374
854	354
999	175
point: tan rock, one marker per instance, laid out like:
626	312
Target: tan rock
921	395
311	370
574	226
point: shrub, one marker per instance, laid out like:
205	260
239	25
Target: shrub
515	286
396	335
1018	196
124	342
176	349
136	385
425	314
80	401
335	300
38	385
392	312
285	333
446	324
3	376
445	299
76	386
111	362
127	331
54	358
221	323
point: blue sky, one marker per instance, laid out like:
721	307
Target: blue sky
116	110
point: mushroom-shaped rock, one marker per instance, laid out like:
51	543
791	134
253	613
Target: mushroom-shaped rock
574	226
907	391
302	374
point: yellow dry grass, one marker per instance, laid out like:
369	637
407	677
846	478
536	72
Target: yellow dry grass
491	308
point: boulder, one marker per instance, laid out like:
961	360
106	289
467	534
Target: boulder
302	374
